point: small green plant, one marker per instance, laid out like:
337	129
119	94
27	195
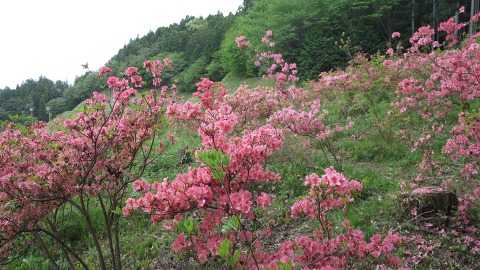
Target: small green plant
188	226
225	252
216	161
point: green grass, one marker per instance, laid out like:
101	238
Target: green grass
232	82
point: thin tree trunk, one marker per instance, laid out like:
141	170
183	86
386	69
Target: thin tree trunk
45	251
455	33
108	225
413	17
473	10
93	233
435	35
62	247
116	234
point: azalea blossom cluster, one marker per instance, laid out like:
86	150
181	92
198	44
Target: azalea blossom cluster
310	124
241	42
331	191
451	27
357	79
25	179
422	37
317	253
255	105
277	69
465	142
156	68
307	123
208	93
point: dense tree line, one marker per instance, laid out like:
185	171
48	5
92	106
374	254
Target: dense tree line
31	97
317	35
192	44
322	35
43	98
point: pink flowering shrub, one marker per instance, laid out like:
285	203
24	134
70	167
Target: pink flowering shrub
208	93
310	124
362	89
241	42
331	246
94	156
218	197
217	190
359	77
255	106
282	72
446	86
273	64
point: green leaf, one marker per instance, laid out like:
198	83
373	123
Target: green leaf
118	210
285	266
235	258
188	225
236	222
191	226
225	248
182	227
230	223
215	159
226	160
226	229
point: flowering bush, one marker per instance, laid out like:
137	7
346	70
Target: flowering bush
330	248
95	156
310	124
445	86
217	188
276	68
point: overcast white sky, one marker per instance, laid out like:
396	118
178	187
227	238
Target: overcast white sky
54	38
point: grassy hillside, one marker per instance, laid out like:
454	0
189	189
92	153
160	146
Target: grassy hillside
371	167
368	152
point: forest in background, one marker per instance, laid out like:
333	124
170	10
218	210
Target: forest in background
317	35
